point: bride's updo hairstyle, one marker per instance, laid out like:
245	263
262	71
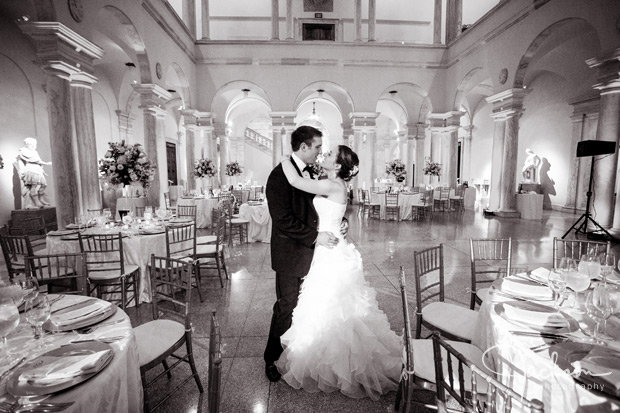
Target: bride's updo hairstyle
348	161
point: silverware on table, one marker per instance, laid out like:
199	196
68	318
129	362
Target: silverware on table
100	339
88	330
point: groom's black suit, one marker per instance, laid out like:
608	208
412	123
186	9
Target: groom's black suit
294	231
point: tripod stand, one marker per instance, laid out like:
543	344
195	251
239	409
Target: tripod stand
586	216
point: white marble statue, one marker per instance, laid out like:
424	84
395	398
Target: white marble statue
30	169
530	167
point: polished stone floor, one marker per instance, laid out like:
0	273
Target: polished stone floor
244	305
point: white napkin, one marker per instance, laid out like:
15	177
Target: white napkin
520	287
535	316
54	369
540	274
70	317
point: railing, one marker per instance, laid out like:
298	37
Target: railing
263	141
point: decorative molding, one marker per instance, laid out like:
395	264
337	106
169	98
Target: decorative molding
159	19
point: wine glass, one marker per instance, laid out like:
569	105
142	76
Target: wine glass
29	286
557	283
599	308
590	264
608	262
9	320
578	282
37	313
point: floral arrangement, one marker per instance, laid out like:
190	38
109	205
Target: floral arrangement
432	168
204	168
233	169
396	168
1	162
124	164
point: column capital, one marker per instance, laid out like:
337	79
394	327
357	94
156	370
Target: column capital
608	65
364	120
283	118
57	45
588	106
448	122
152	96
219	128
507	104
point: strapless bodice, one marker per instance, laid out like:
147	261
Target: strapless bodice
330	214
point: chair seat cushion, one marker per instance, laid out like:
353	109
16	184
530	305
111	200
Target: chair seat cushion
451	318
239	221
208	249
424	363
94	274
155	337
206	239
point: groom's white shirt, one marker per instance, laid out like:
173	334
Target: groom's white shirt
301	165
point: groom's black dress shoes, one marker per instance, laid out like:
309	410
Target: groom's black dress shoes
272	373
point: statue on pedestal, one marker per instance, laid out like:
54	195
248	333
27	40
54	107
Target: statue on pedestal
29	166
530	167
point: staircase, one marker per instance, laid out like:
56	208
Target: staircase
258	141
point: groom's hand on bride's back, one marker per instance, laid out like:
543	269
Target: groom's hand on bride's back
344	227
326	239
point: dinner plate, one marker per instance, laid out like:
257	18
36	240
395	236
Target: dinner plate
19	388
599	365
96	317
572	326
517	282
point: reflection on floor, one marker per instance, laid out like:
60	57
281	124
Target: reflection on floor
244	305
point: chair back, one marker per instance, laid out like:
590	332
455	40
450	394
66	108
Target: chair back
104	253
65	273
429	276
15	248
172	288
188	211
406	385
238	195
491	257
29	226
574	249
497	397
391	200
444	193
181	241
215	365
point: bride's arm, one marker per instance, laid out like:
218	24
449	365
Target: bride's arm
322	187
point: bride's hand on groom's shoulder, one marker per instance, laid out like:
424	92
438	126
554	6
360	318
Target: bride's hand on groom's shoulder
344	227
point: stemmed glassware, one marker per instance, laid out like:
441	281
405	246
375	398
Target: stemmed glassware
9	320
608	263
557	283
590	265
575	280
599	307
37	313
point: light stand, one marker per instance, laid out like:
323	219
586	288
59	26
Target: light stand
586	216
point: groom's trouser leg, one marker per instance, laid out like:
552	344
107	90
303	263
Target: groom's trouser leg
287	293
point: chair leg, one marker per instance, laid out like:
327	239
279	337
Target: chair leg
192	364
145	404
418	327
224	264
197	278
167	369
219	270
123	293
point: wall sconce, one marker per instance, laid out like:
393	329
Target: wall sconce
364	138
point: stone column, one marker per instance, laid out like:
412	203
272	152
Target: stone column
125	126
418	132
466	154
206	28
190	5
454	19
289	21
444	135
412	176
358	20
507	109
437	23
585	113
192	136
67	60
220	133
283	126
152	102
372	19
606	168
82	104
365	124
275	20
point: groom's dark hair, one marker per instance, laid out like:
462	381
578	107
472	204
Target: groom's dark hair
304	134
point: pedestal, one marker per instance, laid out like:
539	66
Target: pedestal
527	187
530	205
48	214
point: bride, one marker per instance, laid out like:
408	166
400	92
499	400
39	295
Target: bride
339	338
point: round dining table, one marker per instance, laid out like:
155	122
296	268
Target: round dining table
257	213
405	201
548	362
115	388
204	206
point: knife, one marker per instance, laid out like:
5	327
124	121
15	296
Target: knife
72	305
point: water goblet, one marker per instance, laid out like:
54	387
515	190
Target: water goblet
578	282
608	262
557	283
9	320
590	265
599	308
37	313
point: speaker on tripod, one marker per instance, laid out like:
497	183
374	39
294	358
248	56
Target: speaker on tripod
591	148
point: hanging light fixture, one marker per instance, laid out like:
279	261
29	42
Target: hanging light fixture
314	116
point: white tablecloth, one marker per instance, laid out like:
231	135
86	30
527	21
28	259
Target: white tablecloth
535	374
137	251
259	228
204	206
117	388
405	201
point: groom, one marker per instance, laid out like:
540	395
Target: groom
293	237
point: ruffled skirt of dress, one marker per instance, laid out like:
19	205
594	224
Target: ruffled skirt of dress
340	339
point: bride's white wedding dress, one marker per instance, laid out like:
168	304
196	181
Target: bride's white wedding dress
339	339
